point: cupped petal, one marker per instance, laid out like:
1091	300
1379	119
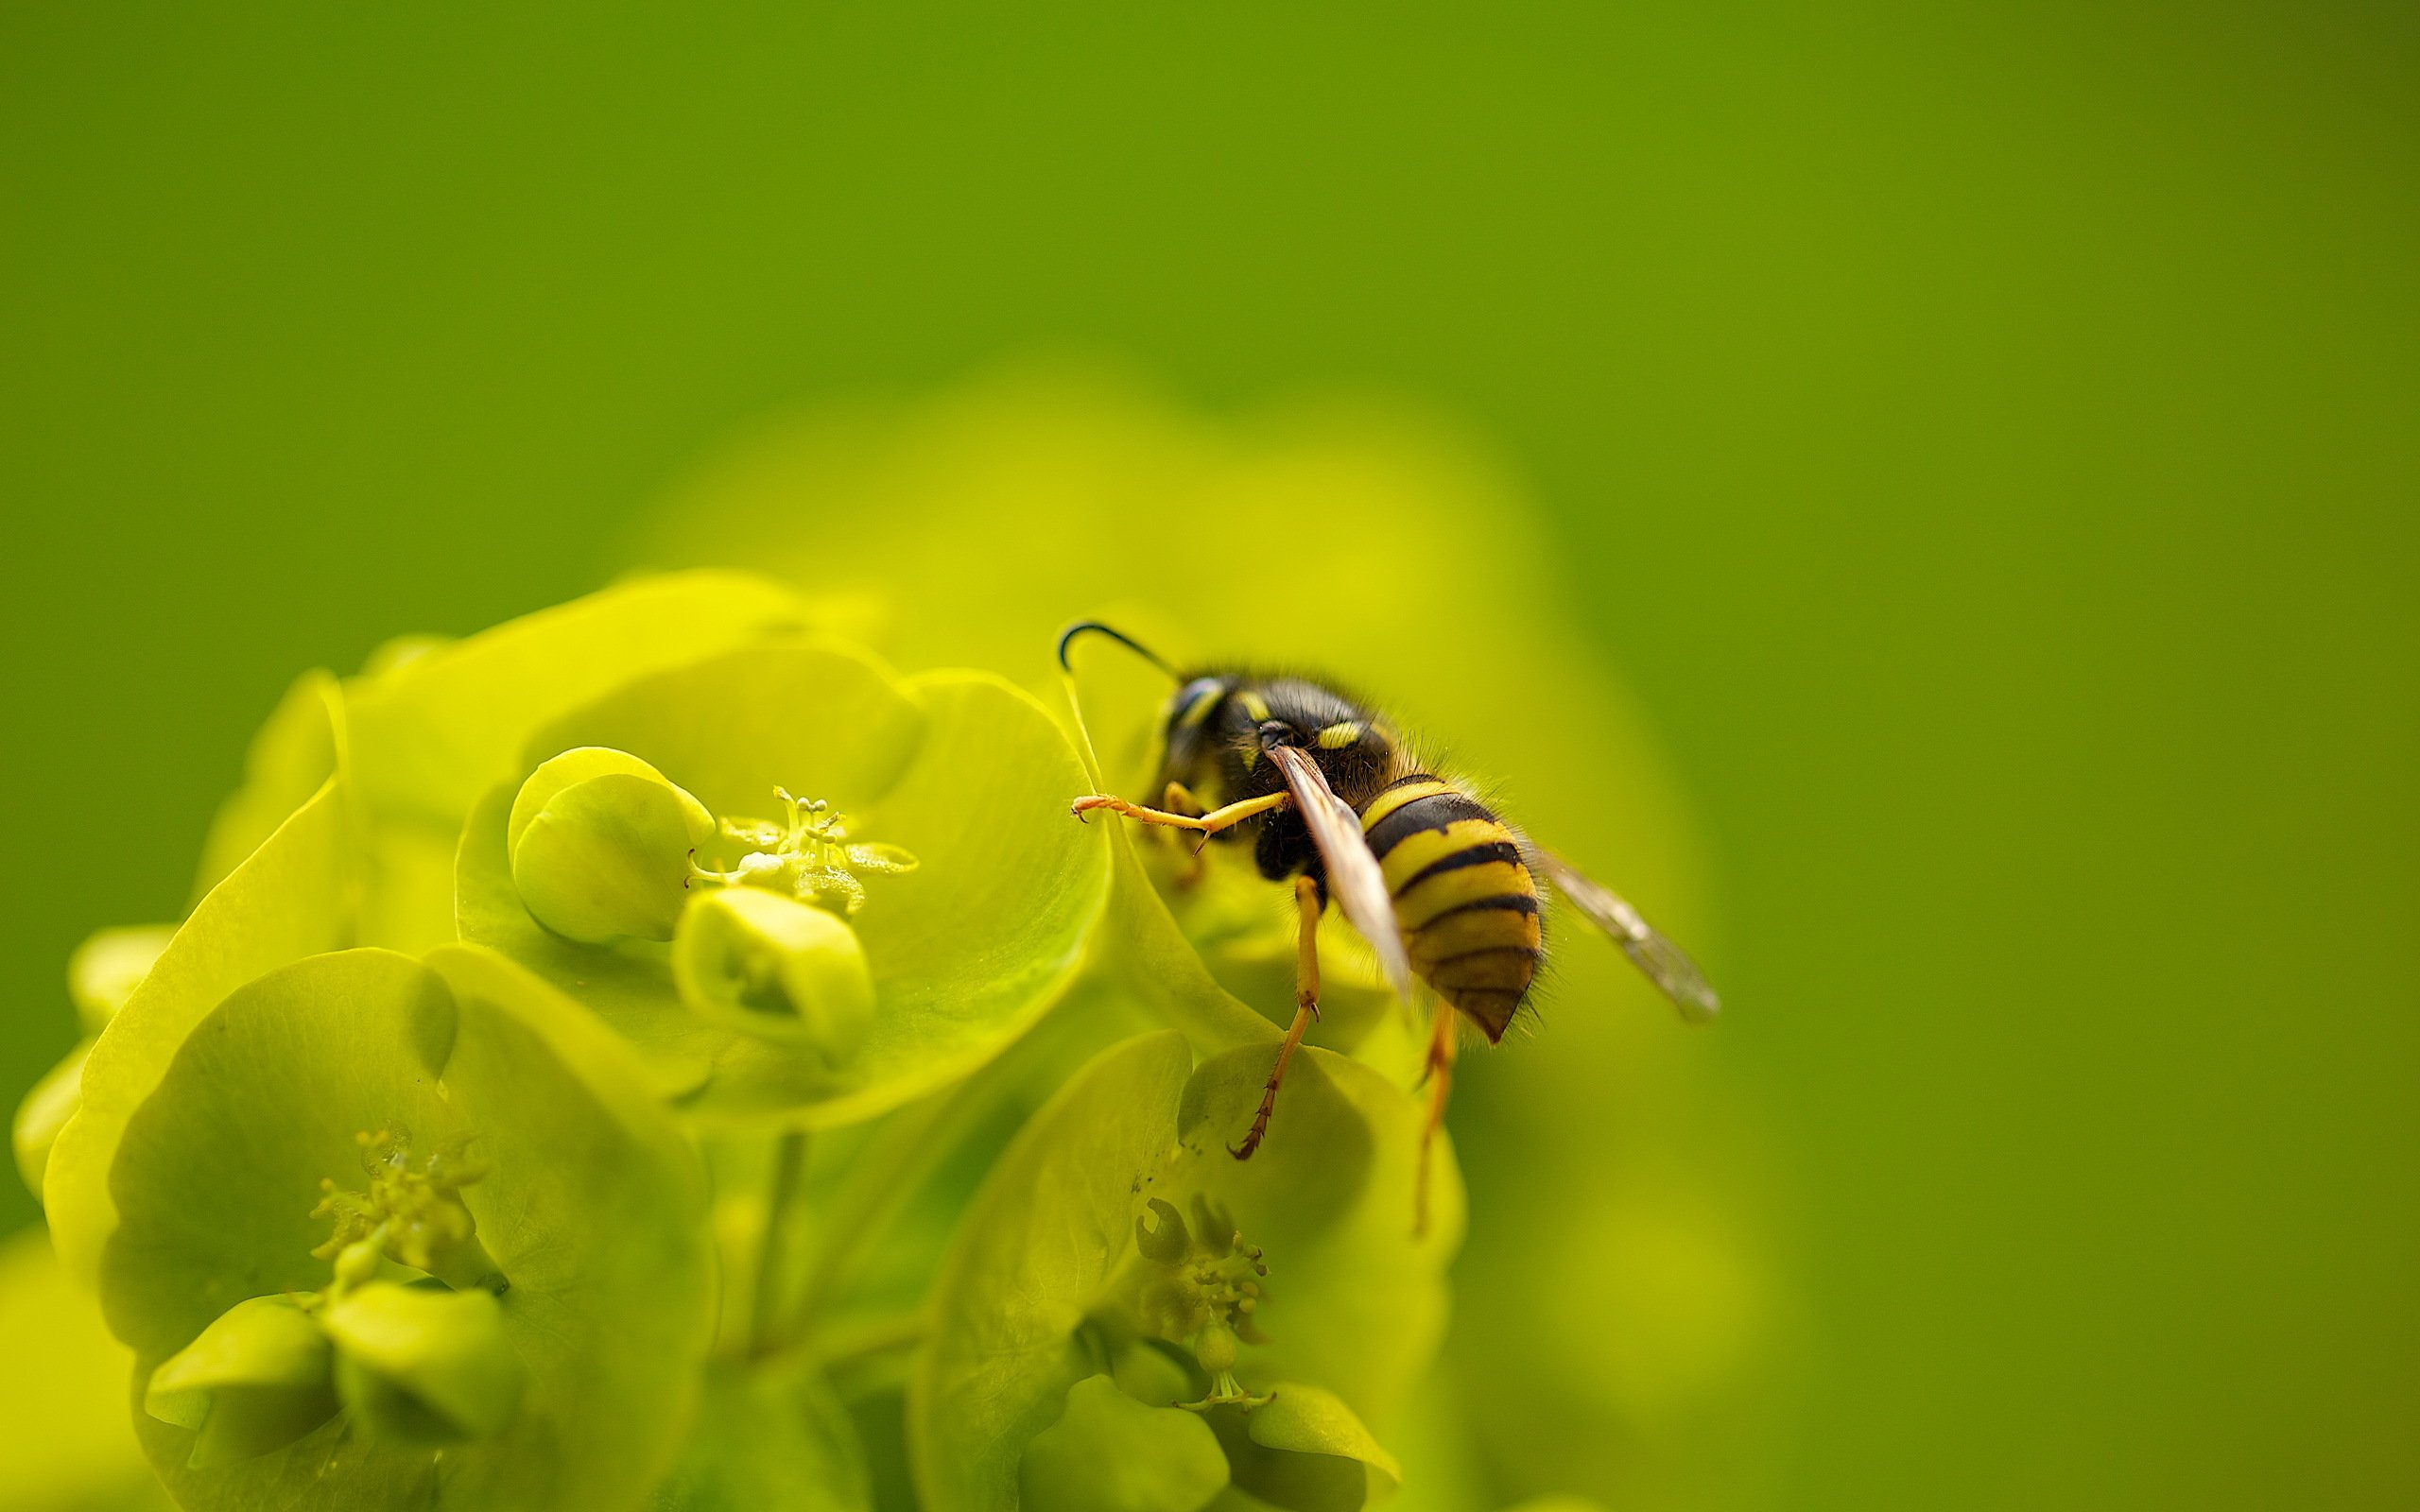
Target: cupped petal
424	1364
430	736
1306	1450
966	948
298	748
970	948
1358	1301
1109	1452
260	1376
590	1206
820	718
1118	1231
292	897
627	986
1033	1254
769	966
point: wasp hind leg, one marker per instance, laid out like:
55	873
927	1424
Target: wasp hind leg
1444	1043
1307	904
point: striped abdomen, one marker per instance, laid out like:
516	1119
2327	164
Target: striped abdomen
1467	905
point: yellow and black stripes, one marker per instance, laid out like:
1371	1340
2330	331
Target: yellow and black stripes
1464	899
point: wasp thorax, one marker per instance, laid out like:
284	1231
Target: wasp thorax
412	1215
1201	1288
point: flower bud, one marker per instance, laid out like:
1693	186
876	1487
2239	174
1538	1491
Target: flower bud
109	966
101	975
775	967
44	1112
422	1365
254	1381
600	845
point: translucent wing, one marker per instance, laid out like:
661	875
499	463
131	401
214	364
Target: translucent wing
1353	876
1663	961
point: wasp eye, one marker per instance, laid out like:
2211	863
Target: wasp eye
1190	697
1275	732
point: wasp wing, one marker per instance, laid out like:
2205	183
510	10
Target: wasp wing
1353	875
1664	962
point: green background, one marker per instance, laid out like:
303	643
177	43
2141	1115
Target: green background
1983	435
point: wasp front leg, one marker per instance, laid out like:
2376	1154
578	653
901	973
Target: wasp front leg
1205	824
1307	904
1179	799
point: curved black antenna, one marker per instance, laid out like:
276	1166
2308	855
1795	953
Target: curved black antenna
1119	636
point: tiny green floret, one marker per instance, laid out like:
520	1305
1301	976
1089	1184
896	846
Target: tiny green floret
412	1215
806	854
769	949
1203	1287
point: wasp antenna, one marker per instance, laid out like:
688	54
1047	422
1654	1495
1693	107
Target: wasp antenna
1069	634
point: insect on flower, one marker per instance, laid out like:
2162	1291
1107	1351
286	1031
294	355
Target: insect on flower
1337	805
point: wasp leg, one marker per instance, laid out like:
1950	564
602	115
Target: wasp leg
1179	800
1208	824
1443	1045
1308	903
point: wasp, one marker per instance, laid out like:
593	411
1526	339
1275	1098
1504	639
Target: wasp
1335	805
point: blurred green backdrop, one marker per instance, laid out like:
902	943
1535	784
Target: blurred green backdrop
1983	435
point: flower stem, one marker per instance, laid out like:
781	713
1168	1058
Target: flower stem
764	1313
844	1347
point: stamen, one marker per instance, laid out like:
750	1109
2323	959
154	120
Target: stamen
807	855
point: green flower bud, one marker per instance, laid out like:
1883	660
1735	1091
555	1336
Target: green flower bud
101	975
422	1365
756	960
600	844
45	1110
109	966
254	1381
